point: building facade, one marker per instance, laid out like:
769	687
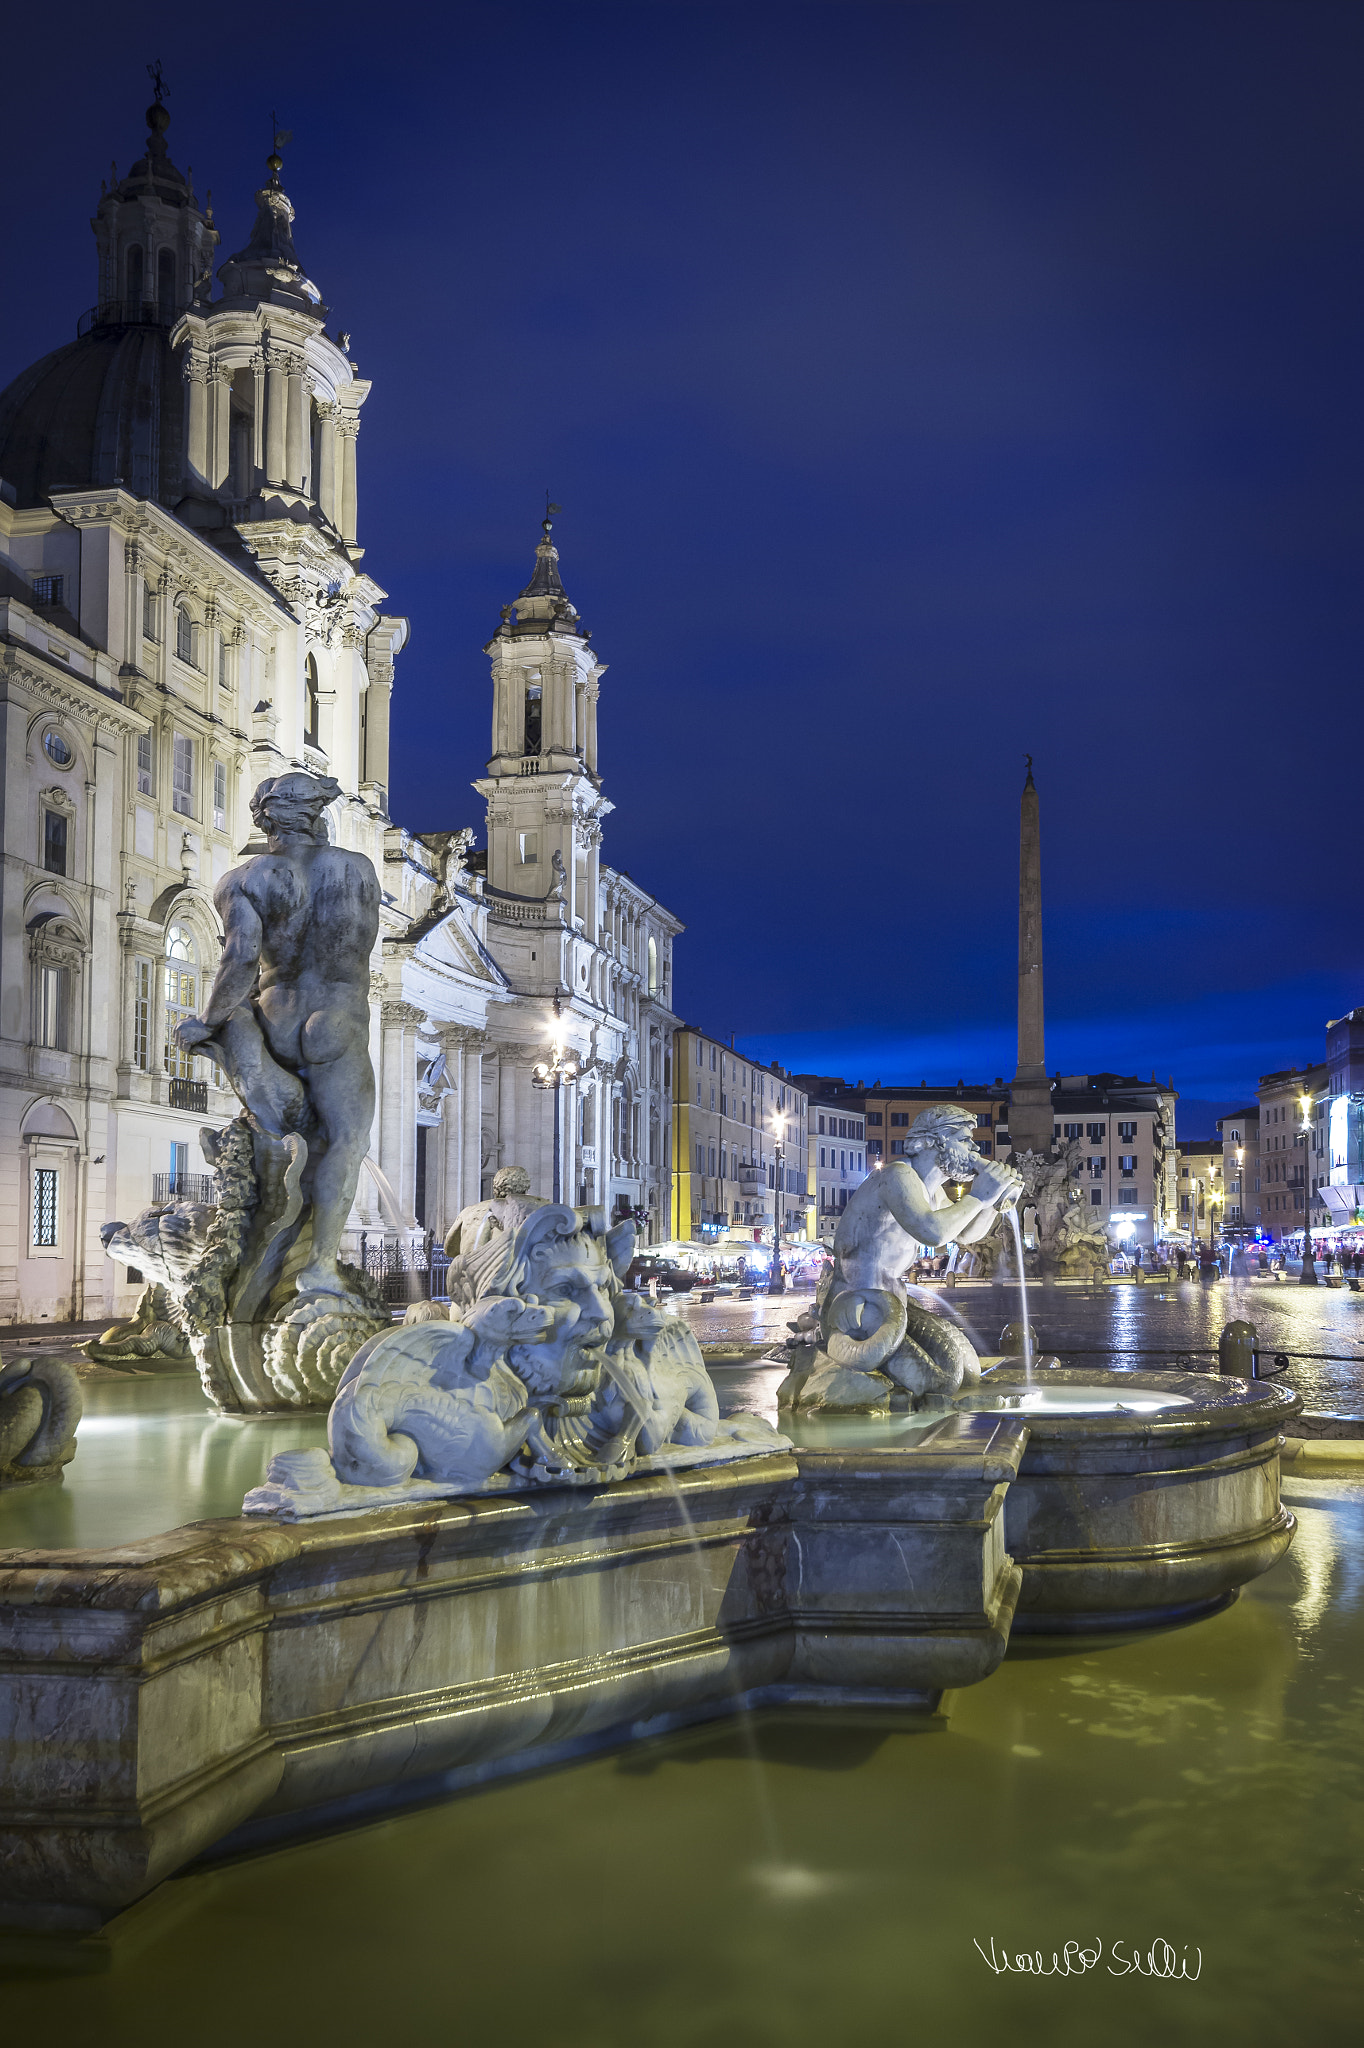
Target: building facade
890	1112
1293	1128
729	1114
183	613
1338	1168
1200	1200
838	1162
1127	1127
1240	1139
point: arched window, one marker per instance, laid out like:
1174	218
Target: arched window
184	634
165	283
182	996
133	285
310	703
653	968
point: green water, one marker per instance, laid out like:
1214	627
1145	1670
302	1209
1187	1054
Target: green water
1201	1785
150	1454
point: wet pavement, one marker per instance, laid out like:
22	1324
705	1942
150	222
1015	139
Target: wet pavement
1122	1323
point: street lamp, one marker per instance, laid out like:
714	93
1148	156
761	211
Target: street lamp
552	1073
1308	1276
777	1280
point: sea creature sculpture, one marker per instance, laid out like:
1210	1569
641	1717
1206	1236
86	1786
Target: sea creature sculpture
877	1347
554	1374
40	1407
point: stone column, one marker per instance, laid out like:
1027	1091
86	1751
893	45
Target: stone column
276	415
196	413
1030	1118
132	604
221	411
348	426
590	748
378	698
398	1103
257	417
296	460
326	461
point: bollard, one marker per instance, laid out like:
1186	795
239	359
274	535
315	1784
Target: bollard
1236	1351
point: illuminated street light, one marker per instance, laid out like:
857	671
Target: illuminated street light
553	1073
777	1281
1308	1276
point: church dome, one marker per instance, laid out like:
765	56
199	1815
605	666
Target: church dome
108	408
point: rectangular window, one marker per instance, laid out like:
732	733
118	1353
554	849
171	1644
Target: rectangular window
52	1008
49	589
711	1159
982	1119
873	1148
54	842
897	1146
1096	1196
701	1159
149	631
1127	1194
1096	1133
821	1155
899	1116
45	1206
1127	1162
1074	1130
1128	1131
528	849
142	1015
821	1127
144	764
182	775
873	1116
220	796
184	636
224	673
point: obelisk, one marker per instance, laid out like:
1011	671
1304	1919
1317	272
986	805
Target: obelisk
1030	1122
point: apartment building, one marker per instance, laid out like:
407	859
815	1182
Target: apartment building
1293	1151
1127	1127
1240	1138
740	1144
838	1162
1200	1180
890	1115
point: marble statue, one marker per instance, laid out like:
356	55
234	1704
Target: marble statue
150	1338
1071	1238
40	1407
481	1223
877	1348
255	1280
553	1374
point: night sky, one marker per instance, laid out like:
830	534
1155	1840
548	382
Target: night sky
922	385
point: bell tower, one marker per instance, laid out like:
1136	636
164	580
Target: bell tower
542	787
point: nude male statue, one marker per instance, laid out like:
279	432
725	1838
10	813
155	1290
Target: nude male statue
288	1014
899	1206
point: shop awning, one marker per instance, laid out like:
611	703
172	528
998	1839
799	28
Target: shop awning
1344	1203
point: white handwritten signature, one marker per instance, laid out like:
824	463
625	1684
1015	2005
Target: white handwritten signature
1160	1960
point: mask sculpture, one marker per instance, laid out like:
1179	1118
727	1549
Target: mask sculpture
552	1374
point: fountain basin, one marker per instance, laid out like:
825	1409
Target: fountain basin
1142	1496
244	1678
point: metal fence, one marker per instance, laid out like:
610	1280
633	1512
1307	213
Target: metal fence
407	1272
184	1187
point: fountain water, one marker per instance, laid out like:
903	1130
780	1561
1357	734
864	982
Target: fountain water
1022	1290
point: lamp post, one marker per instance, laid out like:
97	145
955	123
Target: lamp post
777	1281
552	1073
1308	1276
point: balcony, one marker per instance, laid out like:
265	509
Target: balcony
184	1187
752	1180
191	1095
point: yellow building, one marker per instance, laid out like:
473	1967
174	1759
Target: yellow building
740	1145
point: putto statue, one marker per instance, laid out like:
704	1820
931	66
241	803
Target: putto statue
255	1281
877	1349
554	1374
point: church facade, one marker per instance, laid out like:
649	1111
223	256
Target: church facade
183	612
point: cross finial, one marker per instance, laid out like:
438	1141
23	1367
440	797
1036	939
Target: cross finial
159	85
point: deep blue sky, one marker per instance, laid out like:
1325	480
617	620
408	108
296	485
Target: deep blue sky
922	384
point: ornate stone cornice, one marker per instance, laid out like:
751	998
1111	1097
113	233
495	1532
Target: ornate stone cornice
75	696
397	1013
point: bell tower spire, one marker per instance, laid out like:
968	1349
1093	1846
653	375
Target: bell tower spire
542	787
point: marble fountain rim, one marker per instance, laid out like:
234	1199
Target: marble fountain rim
1223	1404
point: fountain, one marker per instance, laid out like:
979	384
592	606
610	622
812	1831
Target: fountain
530	1533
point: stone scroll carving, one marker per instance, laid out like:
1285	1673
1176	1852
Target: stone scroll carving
40	1406
876	1347
551	1374
254	1280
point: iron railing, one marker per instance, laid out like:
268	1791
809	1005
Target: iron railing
125	313
191	1095
408	1272
184	1187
